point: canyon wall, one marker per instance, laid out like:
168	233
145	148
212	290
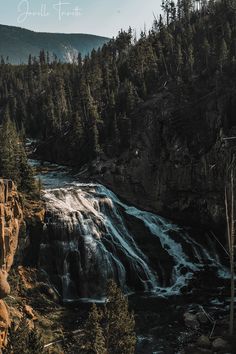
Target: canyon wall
11	217
177	162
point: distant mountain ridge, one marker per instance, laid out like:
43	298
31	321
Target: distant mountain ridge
17	43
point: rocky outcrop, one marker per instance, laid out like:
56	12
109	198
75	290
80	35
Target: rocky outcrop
34	214
11	217
176	165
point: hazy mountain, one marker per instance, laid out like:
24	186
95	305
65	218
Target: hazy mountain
17	43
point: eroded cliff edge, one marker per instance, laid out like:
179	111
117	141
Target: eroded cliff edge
11	218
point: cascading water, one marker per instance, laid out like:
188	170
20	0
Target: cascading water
91	236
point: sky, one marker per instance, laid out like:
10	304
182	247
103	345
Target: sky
101	17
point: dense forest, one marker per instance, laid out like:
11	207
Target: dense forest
13	159
88	106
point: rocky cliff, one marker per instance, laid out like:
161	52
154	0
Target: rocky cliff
176	165
178	158
11	217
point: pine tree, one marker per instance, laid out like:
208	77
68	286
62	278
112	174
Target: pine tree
13	159
42	57
223	54
93	341
131	97
206	52
94	119
94	139
23	340
35	342
27	182
30	60
115	134
8	150
119	322
179	59
190	59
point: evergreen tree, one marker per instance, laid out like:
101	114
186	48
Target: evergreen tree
94	119
35	342
42	57
9	150
86	104
116	134
23	340
27	182
206	52
13	159
93	341
179	59
190	59
223	54
119	322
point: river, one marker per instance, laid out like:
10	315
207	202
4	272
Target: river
91	236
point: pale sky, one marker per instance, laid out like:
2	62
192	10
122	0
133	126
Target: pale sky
101	17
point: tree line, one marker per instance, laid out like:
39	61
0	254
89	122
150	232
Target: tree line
88	106
13	159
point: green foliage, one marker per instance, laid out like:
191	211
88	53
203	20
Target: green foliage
13	159
93	341
119	322
23	340
87	108
36	345
110	330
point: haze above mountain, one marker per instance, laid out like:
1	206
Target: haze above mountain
17	43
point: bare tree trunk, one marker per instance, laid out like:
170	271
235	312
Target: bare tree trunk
227	219
232	236
229	209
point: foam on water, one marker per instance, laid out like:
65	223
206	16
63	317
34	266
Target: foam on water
92	243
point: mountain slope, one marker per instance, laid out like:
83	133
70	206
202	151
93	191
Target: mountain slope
17	43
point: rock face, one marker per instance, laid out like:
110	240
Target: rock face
11	216
176	165
220	345
191	321
203	342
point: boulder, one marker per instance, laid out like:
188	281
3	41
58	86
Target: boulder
49	291
29	312
220	345
202	317
4	286
191	321
203	342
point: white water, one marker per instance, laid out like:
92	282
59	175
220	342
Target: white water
88	241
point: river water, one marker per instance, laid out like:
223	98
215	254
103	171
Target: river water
91	236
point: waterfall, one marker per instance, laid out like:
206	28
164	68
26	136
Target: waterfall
92	236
